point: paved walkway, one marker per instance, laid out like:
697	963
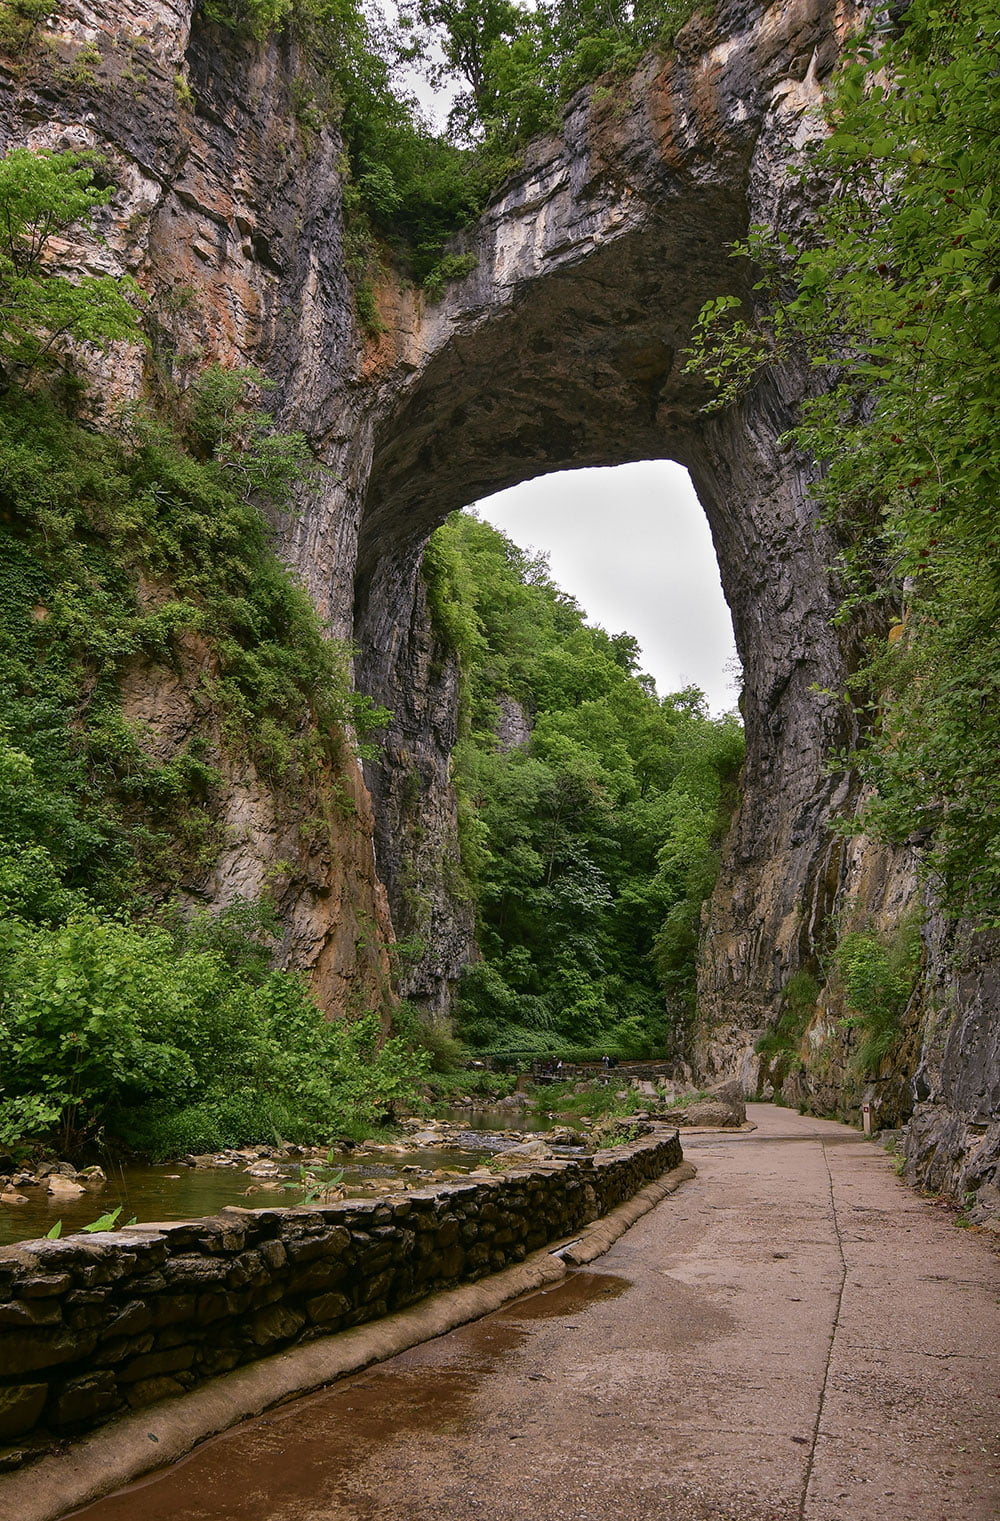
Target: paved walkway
792	1335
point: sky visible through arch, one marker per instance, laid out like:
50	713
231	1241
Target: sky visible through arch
632	545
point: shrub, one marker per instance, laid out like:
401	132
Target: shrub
879	974
105	1026
798	1003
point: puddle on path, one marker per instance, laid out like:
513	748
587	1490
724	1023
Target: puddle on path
570	1295
284	1464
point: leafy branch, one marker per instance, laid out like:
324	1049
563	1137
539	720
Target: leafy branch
43	197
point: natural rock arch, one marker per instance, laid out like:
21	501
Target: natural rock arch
566	347
562	348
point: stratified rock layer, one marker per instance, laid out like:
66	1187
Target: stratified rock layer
564	347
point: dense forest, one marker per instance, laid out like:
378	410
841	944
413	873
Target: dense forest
590	835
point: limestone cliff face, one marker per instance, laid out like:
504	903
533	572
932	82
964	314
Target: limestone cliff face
227	214
416	831
563	348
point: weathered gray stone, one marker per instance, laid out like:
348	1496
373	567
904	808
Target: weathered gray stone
154	1364
324	1308
33	1313
85	1399
276	1323
708	1112
43	1287
148	1390
20	1407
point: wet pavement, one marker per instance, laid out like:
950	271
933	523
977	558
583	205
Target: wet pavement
793	1334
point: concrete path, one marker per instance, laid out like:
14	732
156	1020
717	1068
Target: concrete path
793	1334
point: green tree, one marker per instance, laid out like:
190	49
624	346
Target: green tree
44	196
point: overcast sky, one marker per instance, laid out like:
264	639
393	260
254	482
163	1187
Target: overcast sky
632	546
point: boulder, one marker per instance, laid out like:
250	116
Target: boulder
722	1107
709	1112
730	1093
64	1188
537	1150
64	1169
986	1208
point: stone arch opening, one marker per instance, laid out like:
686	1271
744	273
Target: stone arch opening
566	347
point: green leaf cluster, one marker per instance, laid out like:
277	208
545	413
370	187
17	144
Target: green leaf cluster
893	295
589	847
43	195
879	974
171	1046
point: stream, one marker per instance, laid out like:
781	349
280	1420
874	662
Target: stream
176	1191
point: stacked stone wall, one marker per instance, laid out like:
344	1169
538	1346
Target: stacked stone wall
100	1324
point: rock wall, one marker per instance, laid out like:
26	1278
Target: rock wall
94	1325
953	1139
416	819
228	215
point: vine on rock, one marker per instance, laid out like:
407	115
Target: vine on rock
893	294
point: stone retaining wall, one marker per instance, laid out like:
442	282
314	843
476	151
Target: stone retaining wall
98	1324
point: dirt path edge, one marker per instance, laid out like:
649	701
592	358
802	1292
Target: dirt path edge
136	1444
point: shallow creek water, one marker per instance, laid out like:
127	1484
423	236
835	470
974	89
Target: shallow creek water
173	1191
176	1192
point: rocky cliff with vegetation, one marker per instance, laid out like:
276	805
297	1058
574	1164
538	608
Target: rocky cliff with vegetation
252	202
